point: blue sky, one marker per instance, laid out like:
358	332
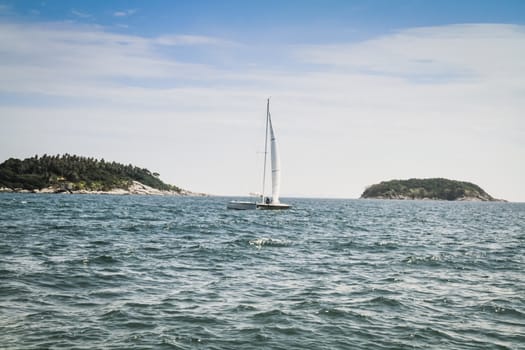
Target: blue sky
297	21
362	91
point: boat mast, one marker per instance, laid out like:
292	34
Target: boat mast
265	146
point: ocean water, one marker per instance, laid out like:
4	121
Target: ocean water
146	272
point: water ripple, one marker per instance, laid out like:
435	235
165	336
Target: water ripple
119	272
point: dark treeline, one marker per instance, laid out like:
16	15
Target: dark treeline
437	188
80	173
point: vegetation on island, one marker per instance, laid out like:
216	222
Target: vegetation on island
75	173
437	188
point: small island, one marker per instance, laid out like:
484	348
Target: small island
74	174
428	189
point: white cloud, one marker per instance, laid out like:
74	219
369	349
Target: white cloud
190	40
80	14
455	52
442	101
85	59
125	13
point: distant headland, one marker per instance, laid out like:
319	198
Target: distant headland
429	189
74	174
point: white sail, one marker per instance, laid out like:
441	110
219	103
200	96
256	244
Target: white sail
265	203
276	166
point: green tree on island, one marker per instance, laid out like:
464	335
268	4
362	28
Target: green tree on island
80	173
436	188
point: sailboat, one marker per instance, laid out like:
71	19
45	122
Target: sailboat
271	203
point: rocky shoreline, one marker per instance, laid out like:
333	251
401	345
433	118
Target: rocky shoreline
136	188
461	199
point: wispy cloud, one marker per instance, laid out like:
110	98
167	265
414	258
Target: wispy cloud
80	14
85	59
435	53
341	99
125	13
190	40
367	72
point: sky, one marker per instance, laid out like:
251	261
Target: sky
361	91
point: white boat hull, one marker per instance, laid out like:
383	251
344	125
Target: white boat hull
238	205
274	206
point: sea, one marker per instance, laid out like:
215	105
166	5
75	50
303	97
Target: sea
165	272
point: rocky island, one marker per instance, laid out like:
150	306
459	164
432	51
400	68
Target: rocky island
75	174
433	189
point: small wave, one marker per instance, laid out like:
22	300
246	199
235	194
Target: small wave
102	259
100	242
9	290
341	245
287	331
244	308
42	315
116	315
271	314
385	301
270	242
106	294
424	260
273	319
339	313
387	245
138	325
498	308
153	248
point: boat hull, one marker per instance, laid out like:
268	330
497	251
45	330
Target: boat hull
270	206
238	205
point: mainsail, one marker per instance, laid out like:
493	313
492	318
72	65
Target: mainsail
274	203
